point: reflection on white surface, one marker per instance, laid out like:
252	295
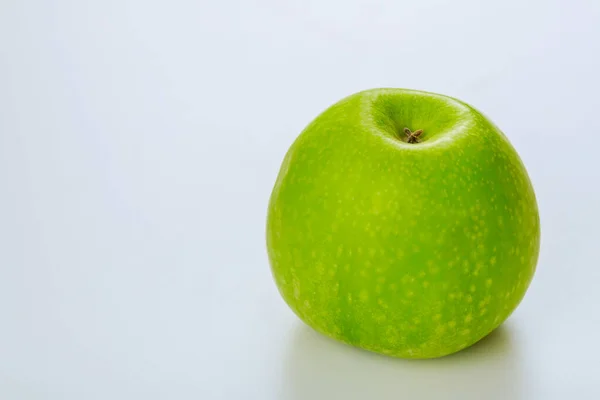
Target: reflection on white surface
317	367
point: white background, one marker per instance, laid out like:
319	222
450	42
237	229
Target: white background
139	142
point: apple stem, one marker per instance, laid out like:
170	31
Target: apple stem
413	137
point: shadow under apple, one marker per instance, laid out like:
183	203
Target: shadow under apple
320	368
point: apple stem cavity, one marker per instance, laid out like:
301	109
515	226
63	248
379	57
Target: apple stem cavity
413	137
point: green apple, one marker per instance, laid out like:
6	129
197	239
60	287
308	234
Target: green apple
404	223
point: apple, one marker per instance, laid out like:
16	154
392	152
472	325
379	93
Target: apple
404	223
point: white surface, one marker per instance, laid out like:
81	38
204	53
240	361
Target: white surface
139	141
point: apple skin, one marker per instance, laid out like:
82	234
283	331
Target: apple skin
413	250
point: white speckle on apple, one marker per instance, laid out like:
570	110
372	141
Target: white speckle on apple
381	318
364	296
